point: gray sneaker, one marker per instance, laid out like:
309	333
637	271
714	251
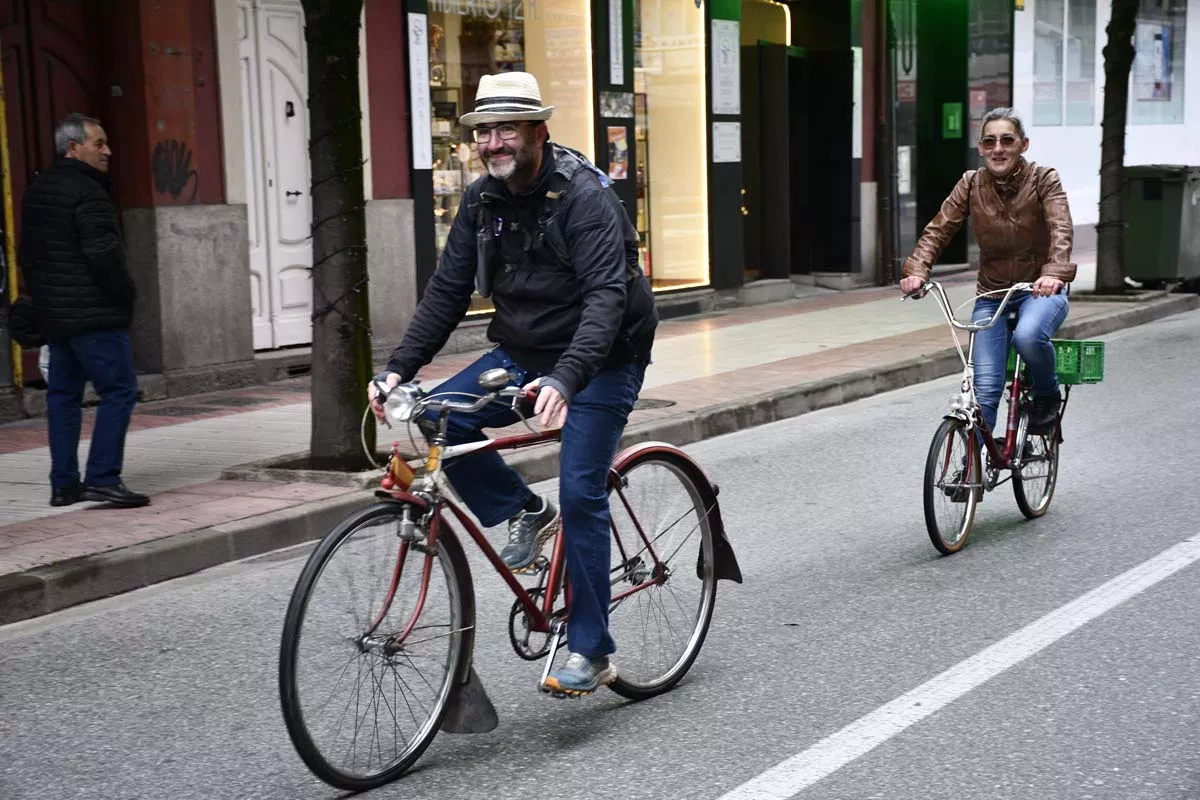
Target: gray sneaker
528	533
580	675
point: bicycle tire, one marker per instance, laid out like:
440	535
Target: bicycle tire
938	465
454	568
1049	445
693	563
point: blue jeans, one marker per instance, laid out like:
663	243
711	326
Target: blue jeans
106	359
1037	320
495	492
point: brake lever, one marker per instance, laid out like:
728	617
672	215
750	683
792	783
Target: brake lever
529	396
381	395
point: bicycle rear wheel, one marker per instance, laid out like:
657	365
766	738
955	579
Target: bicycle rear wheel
1034	482
953	484
374	636
664	585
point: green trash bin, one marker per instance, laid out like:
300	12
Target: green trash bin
1162	222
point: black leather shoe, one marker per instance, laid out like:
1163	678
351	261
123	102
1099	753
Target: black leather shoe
116	495
1044	414
66	497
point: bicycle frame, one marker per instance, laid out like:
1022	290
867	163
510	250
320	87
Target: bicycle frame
431	499
966	406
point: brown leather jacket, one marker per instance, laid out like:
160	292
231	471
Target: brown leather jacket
1023	227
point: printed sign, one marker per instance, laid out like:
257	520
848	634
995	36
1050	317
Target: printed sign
618	153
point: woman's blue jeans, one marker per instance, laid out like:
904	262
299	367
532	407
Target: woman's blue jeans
1038	318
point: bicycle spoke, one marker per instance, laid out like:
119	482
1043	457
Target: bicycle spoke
662	509
336	709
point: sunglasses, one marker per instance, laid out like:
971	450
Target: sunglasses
1008	140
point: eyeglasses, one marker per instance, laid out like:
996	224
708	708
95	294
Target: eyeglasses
1008	140
506	131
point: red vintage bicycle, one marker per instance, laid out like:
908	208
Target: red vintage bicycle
378	642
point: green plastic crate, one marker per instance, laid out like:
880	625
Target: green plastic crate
1076	361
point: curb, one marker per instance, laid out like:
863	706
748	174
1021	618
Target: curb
54	587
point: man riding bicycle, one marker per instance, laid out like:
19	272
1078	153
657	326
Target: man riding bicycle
546	237
1023	227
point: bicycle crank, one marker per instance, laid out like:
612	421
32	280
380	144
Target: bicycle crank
528	644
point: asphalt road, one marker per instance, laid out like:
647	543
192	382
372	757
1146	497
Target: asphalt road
170	692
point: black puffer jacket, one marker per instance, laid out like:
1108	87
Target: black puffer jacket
71	252
569	296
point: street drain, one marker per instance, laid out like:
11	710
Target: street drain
647	403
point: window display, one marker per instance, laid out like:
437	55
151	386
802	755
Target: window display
1156	80
670	134
470	40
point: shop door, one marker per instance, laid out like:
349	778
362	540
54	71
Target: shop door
275	113
774	162
47	74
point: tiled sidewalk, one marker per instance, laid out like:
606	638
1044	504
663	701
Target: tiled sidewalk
177	449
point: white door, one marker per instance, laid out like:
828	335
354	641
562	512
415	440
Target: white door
274	90
260	282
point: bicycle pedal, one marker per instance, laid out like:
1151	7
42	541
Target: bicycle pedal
540	564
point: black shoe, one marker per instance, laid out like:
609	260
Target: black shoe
1043	416
66	497
116	494
957	489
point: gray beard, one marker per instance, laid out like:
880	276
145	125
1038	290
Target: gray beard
502	173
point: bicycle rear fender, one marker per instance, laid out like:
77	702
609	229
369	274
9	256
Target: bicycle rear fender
725	564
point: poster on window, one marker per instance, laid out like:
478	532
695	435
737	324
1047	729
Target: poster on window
618	153
1152	62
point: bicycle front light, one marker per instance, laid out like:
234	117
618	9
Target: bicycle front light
401	403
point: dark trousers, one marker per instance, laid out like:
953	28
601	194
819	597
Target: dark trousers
106	359
495	492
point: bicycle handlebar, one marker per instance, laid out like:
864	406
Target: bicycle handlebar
944	304
415	403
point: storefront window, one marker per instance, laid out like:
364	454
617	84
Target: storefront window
472	38
1156	80
670	142
1064	63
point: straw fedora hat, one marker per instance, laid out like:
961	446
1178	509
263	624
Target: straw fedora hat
507	97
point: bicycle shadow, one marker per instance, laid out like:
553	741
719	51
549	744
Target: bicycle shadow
992	533
577	725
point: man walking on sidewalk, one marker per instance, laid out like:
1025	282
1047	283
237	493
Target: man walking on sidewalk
74	265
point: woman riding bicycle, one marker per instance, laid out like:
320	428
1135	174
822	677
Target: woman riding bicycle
1023	227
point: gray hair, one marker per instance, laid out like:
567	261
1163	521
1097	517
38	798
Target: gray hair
1005	114
72	129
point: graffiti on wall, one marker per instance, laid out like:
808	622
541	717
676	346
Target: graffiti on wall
171	166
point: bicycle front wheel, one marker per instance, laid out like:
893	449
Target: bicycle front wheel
664	584
953	484
1034	482
373	639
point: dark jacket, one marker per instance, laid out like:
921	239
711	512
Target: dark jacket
560	263
71	252
1023	227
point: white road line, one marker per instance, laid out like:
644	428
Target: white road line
802	770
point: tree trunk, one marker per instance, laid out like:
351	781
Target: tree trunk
341	348
1110	230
